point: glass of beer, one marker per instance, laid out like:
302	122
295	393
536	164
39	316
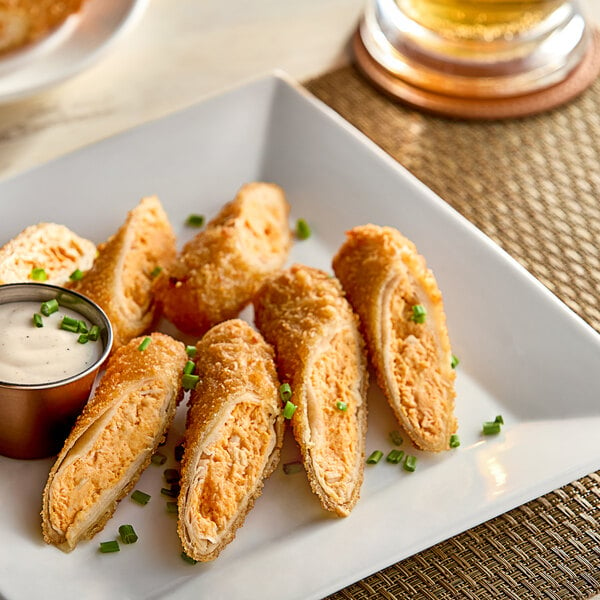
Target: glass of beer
478	49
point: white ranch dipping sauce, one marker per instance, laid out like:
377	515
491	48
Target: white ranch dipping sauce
34	355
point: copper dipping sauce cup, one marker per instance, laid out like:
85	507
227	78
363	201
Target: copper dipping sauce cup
35	419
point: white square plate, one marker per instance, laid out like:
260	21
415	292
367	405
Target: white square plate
523	355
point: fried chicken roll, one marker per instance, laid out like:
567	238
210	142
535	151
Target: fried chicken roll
233	437
220	269
403	321
121	278
113	439
48	246
320	353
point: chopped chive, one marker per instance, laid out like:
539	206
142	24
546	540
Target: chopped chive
145	343
158	458
171	492
410	463
454	441
188	559
140	497
37	320
454	362
172	475
374	457
172	508
112	546
38	274
396	438
189	381
155	272
69	324
499	419
128	534
49	307
395	456
178	452
94	333
189	367
302	229
285	392
292	467
289	409
195	220
81	327
491	428
83	338
419	314
190	351
340	405
76	275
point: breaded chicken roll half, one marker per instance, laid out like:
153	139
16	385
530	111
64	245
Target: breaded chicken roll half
121	278
113	439
320	353
233	437
53	249
402	316
220	269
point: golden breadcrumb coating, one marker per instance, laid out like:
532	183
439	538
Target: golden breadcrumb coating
320	353
233	437
48	246
220	269
113	439
121	278
384	278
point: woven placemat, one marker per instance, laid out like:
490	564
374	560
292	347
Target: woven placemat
533	186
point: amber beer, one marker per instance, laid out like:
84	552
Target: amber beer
485	20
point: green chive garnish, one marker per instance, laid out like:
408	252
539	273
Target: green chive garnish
395	456
410	463
454	441
289	409
145	343
454	361
155	272
491	428
37	320
112	546
396	438
38	274
81	327
172	508
83	338
76	275
285	392
188	559
140	497
172	475
419	314
191	351
158	458
195	221
499	419
343	406
49	307
94	333
189	381
171	492
189	367
128	534
292	467
178	452
302	229
374	457
69	324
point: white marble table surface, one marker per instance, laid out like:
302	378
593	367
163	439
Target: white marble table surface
178	53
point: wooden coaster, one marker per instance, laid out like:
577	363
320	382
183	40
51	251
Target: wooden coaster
475	108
